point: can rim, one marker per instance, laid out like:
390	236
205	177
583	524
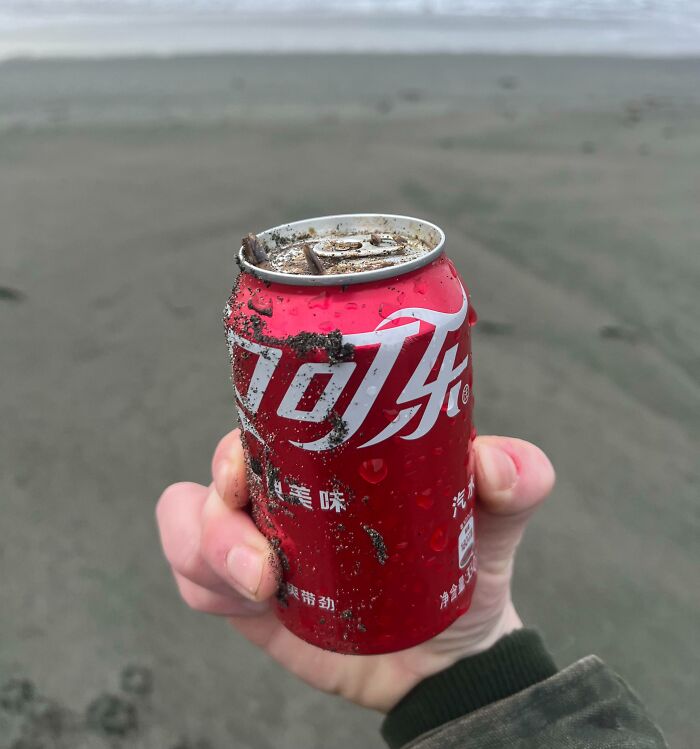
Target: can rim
343	279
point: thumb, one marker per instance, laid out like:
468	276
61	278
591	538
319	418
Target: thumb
513	477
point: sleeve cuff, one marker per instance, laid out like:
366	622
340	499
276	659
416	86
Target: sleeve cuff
515	662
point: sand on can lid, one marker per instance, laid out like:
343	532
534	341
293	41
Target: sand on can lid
343	249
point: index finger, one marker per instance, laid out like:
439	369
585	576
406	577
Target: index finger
228	470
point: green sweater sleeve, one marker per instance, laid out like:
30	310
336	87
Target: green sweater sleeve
512	697
514	663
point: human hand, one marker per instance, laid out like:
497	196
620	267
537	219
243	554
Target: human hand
223	565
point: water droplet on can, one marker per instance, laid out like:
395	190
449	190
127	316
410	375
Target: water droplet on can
438	541
385	310
424	500
320	301
373	471
452	268
420	287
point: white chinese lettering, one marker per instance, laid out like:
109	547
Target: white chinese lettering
458	501
421	383
471	569
388	339
300	495
465	543
332	500
389	344
340	374
268	359
326	603
308	598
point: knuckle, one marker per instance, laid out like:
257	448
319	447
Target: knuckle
208	538
219	533
163	504
198	599
183	557
172	496
178	527
226	448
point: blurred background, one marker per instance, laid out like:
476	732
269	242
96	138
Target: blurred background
558	144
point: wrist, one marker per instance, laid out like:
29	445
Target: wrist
478	639
456	643
509	621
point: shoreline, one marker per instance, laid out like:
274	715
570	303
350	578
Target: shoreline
349	54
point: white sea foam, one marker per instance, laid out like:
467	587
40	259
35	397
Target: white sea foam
113	27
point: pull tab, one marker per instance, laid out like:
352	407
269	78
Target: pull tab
378	245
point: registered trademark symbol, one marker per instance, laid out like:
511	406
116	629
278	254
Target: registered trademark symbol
466	391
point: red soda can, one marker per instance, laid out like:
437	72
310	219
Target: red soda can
350	346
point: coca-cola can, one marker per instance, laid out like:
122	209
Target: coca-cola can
351	358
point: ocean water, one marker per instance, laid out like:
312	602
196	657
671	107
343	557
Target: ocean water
588	9
124	27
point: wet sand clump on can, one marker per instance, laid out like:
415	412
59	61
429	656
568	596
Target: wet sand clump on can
265	311
340	430
305	342
378	543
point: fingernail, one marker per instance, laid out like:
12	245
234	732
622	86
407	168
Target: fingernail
245	565
497	467
253	608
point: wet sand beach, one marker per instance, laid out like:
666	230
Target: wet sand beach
569	192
